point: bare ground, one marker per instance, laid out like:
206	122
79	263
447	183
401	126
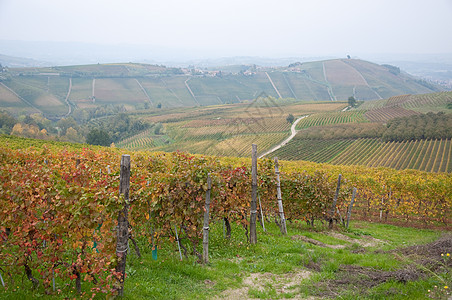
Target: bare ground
423	260
364	241
282	283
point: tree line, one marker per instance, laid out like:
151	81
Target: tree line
100	126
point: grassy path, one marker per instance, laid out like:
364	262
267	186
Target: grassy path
292	135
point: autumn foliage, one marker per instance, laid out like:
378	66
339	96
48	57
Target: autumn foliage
59	205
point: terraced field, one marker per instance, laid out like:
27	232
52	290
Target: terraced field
332	118
115	91
424	155
320	141
144	141
421	103
227	129
37	94
239	145
385	114
133	84
328	135
312	150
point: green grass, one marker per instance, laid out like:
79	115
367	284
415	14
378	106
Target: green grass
275	256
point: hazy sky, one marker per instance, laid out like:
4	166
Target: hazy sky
238	27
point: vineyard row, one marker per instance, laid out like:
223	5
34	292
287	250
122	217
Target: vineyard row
60	207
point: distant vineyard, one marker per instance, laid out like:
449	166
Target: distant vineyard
144	141
410	101
332	118
342	131
138	141
235	126
312	150
423	155
234	146
387	113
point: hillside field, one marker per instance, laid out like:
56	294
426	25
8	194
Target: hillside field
140	86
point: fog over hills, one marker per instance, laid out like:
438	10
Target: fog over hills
434	67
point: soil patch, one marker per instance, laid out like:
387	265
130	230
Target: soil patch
281	283
365	241
315	242
432	250
423	260
363	278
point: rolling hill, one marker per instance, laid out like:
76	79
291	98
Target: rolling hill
137	86
326	133
362	137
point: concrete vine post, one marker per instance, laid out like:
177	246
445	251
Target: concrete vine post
122	243
253	213
336	195
262	215
349	213
205	240
282	219
1	279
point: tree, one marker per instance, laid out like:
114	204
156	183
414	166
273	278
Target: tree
98	137
73	136
66	123
158	127
290	118
351	101
6	122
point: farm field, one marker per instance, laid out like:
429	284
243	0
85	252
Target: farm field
326	135
228	130
346	138
144	140
387	113
117	90
132	85
73	240
423	155
37	94
332	118
320	151
421	103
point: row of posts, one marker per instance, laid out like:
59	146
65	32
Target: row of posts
122	245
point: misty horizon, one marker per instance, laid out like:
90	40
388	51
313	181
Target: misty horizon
212	29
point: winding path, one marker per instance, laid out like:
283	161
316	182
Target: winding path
67	98
292	135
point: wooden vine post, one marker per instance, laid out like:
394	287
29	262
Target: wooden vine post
122	242
205	240
336	195
253	213
282	219
262	215
349	213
